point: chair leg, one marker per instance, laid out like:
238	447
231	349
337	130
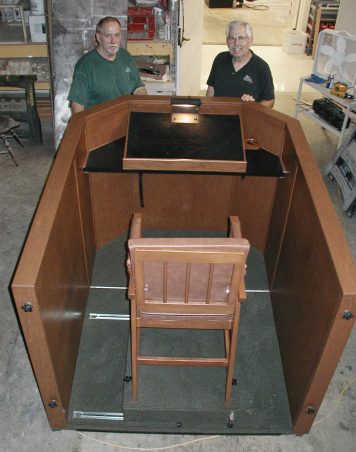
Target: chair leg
138	333
232	355
8	149
134	348
227	342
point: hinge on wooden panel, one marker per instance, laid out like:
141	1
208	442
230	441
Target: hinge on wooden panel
230	424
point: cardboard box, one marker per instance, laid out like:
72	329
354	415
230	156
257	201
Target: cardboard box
37	28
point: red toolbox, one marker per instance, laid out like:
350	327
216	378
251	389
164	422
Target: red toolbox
140	23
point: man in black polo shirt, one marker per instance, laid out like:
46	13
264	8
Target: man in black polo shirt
239	72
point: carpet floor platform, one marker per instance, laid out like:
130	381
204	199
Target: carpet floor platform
176	399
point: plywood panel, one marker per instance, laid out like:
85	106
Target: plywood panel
62	302
113	204
85	206
315	281
187	201
252	201
268	130
306	295
105	126
52	276
279	215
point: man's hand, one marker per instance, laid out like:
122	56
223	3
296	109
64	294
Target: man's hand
266	103
76	108
140	91
247	98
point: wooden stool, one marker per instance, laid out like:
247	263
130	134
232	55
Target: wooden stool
7	126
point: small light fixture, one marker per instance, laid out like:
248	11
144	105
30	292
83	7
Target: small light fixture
185	110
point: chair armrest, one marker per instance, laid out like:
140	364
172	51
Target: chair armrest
235	227
131	289
135	233
242	292
136	226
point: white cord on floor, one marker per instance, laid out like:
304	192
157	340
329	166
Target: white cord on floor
118	446
173	446
347	386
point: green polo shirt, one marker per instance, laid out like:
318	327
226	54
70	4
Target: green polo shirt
97	79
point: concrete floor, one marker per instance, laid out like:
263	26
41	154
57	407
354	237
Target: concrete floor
270	20
23	424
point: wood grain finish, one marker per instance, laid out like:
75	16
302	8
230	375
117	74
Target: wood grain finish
189	201
313	283
310	269
113	204
52	276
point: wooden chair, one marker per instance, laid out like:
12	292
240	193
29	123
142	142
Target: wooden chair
187	283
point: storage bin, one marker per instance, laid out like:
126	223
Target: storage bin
295	42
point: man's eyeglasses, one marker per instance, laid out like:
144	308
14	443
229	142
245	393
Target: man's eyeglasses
236	38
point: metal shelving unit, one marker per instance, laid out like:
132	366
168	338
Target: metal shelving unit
322	14
157	48
348	106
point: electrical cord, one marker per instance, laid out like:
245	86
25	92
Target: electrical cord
205	438
256	8
173	446
344	389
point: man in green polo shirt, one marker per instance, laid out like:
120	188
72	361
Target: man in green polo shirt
105	72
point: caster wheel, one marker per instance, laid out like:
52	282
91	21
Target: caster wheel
331	177
349	213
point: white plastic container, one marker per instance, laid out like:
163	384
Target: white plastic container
37	7
37	28
295	42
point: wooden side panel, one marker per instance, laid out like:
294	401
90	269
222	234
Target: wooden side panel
267	129
52	279
279	216
106	125
187	201
306	296
113	200
85	205
314	282
62	302
252	201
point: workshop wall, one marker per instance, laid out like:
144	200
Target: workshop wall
72	34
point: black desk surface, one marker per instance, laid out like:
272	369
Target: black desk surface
155	136
109	158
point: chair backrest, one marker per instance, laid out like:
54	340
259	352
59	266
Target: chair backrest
188	270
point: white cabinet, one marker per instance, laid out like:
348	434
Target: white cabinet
302	107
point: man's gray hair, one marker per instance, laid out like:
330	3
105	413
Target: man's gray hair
240	23
105	20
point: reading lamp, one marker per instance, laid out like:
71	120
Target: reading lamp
185	110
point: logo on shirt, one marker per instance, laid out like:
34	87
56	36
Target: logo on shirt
128	70
248	79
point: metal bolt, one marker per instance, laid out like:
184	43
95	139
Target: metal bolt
27	307
347	315
311	410
53	404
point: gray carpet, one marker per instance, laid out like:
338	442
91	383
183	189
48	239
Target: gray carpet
177	399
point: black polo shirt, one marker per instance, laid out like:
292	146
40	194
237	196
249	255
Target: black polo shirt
254	78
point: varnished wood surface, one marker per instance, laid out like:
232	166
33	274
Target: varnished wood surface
311	272
53	276
314	282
